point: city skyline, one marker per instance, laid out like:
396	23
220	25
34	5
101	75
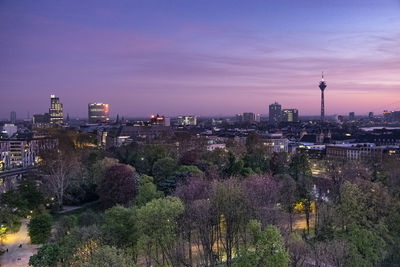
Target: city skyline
177	57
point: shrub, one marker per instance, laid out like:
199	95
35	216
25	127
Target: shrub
40	228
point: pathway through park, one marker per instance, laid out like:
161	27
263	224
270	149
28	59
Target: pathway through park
16	256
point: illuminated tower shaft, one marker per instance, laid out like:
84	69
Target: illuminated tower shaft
322	86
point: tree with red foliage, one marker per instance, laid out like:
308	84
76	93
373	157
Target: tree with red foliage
118	186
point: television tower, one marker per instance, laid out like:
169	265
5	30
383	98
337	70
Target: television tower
322	86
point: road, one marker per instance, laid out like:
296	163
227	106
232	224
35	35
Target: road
18	257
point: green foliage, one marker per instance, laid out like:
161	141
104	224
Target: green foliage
47	256
40	228
3	231
190	169
258	161
30	192
64	226
236	167
351	208
217	157
89	217
120	226
10	220
77	247
157	222
147	191
267	248
366	247
99	168
227	200
144	157
163	169
106	256
25	198
300	169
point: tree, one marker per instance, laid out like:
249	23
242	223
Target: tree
258	160
163	169
300	171
30	192
25	198
227	200
47	256
118	186
366	248
9	219
99	168
64	226
77	247
89	217
3	230
157	222
198	218
351	208
40	228
106	256
278	163
183	174
147	191
332	253
260	194
289	197
58	169
120	227
267	248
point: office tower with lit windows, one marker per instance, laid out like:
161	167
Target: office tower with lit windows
56	110
275	113
98	113
290	115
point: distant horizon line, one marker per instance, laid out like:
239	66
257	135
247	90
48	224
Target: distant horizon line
198	116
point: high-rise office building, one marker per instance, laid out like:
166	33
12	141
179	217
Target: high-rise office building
322	86
290	115
371	115
249	117
98	112
352	116
13	117
275	113
55	110
239	117
187	120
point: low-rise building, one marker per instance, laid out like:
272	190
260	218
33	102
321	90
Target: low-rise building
359	151
187	120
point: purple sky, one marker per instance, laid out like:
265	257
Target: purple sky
201	57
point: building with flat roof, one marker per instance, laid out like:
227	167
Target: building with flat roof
275	113
13	117
98	113
290	115
187	120
56	110
359	151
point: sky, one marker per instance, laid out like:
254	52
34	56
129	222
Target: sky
202	57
